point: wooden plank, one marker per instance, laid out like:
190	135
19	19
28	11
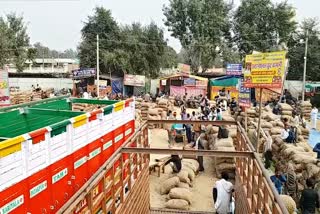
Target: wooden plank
202	122
211	153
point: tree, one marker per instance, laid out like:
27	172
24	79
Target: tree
297	50
14	42
170	58
201	26
261	25
133	49
45	52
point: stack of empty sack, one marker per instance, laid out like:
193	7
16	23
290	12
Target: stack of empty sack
305	109
178	187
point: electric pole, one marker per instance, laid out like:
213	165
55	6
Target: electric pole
305	66
98	71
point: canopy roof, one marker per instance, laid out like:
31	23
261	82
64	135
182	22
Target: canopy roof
185	76
224	81
312	85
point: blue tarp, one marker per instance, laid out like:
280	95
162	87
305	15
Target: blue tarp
116	86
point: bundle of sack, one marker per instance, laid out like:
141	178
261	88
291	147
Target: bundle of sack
144	110
286	110
138	102
305	109
20	97
138	118
154	114
178	187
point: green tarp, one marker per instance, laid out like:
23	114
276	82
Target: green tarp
224	82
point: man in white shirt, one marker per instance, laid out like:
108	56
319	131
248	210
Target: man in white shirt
314	117
222	194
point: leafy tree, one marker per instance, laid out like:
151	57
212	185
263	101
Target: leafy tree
201	26
170	58
45	52
261	25
14	41
133	49
297	50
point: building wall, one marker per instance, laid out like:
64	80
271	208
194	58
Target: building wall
295	87
26	83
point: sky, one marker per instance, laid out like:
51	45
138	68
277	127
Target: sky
57	23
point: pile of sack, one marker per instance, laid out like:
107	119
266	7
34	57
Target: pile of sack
138	119
84	107
138	102
305	109
286	110
153	114
36	95
144	110
301	155
177	188
20	97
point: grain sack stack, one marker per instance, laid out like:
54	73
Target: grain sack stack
138	102
138	118
286	111
163	104
144	110
305	109
153	114
36	96
225	164
178	187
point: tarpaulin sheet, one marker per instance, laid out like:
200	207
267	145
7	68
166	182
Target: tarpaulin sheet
177	91
192	91
116	86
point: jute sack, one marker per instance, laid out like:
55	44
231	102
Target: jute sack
289	203
183	185
285	107
225	166
227	142
179	204
169	184
183	176
181	193
191	174
286	112
193	164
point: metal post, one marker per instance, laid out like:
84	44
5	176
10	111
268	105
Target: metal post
305	66
259	122
98	71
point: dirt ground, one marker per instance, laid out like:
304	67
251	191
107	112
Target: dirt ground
202	185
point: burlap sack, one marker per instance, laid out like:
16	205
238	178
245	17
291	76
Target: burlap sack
227	142
181	193
183	185
191	174
179	204
167	185
183	176
289	203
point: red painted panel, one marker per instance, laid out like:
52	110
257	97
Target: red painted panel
60	182
94	156
39	192
107	146
118	137
80	168
14	199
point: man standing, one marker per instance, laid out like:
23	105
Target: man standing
268	151
309	200
222	194
314	117
316	149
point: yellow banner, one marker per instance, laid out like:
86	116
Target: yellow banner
265	70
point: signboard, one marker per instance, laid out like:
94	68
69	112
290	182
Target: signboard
189	81
4	88
134	80
83	73
234	69
244	98
163	82
265	70
201	83
184	68
104	89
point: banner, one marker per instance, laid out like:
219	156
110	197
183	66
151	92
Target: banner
189	82
177	91
83	73
215	91
244	99
265	70
234	69
134	80
4	88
